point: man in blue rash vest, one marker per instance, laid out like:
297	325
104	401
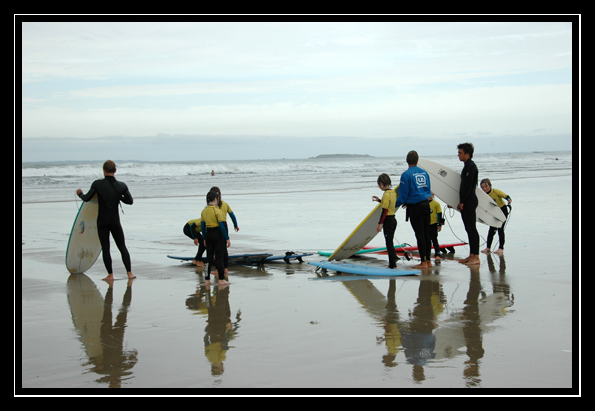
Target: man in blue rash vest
109	193
414	191
468	201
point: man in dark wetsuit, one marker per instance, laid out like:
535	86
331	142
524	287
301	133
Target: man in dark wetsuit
468	201
109	193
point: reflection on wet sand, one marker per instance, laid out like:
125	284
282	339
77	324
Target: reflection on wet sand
102	340
432	330
213	302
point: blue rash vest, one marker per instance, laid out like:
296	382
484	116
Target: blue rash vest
414	186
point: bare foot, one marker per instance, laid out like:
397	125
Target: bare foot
423	264
110	277
473	260
499	251
486	251
130	276
223	282
464	260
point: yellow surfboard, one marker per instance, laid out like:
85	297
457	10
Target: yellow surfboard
362	235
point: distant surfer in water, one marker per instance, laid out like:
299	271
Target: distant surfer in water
387	222
414	192
468	201
498	196
109	193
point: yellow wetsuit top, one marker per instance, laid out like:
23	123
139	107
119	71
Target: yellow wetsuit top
195	221
225	210
436	211
389	198
387	203
498	196
212	216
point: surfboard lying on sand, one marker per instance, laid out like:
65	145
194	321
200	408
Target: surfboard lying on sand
365	250
287	257
252	258
362	235
450	247
236	258
83	245
361	269
445	183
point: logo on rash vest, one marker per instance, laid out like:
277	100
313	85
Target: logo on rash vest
420	180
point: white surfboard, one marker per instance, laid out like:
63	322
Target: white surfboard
83	245
445	183
362	235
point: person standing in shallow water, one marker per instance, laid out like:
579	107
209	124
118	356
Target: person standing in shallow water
109	194
468	201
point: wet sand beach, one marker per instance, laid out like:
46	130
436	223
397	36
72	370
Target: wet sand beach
507	324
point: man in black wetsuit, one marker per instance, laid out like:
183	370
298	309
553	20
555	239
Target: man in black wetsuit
468	201
109	193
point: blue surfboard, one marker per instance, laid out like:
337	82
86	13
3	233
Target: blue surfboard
360	269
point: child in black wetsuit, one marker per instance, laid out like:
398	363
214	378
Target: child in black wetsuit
215	237
387	221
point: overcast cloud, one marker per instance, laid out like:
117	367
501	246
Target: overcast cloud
266	85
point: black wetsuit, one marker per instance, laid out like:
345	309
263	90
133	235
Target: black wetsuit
468	198
109	193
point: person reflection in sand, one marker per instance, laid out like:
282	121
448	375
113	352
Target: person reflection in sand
92	318
417	334
472	331
117	362
500	285
219	330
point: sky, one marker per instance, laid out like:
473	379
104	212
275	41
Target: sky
244	90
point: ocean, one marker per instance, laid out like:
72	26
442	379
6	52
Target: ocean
57	181
280	328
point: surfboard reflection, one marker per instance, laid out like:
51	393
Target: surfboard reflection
102	339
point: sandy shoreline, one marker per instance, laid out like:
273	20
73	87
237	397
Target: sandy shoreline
507	324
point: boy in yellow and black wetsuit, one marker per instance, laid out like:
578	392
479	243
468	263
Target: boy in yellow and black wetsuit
387	221
225	210
215	236
436	223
